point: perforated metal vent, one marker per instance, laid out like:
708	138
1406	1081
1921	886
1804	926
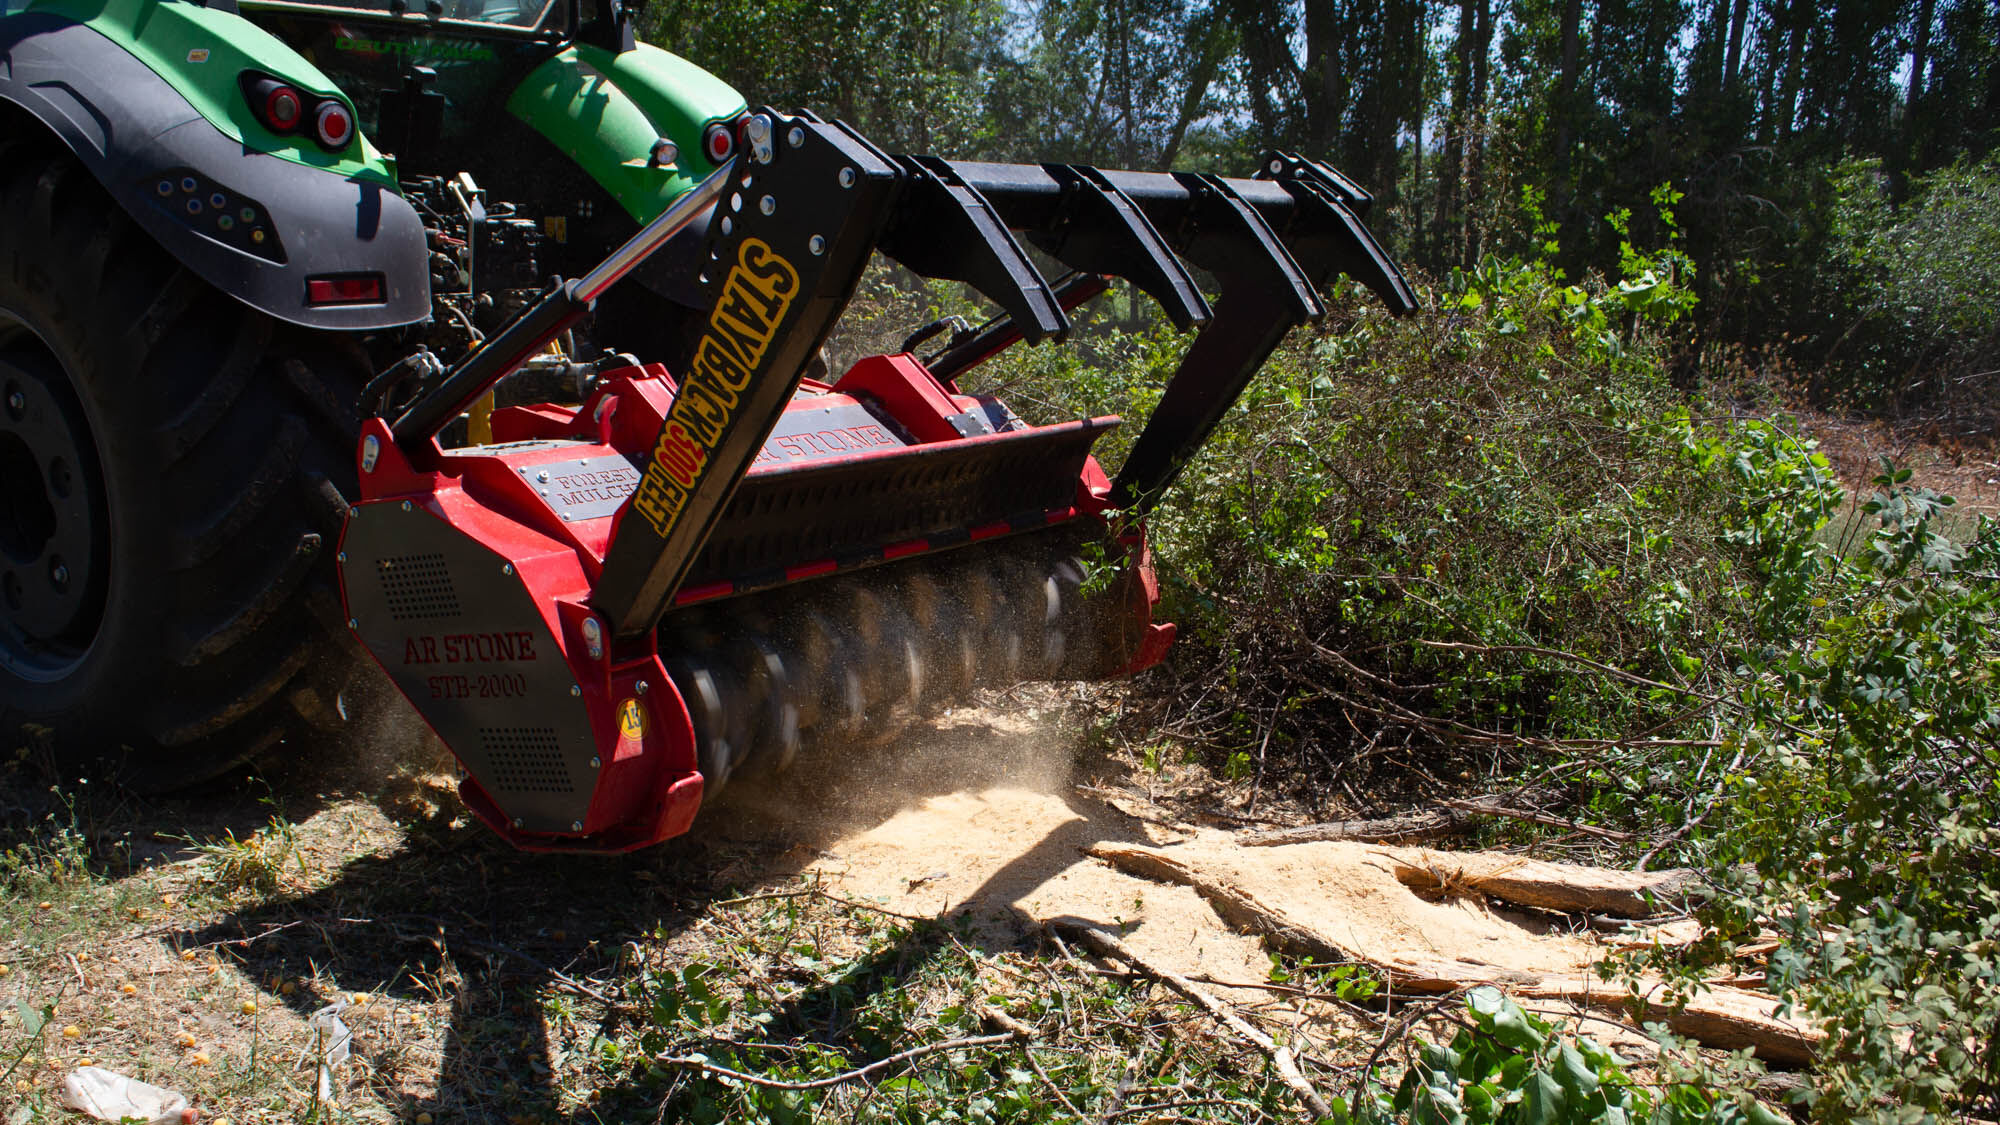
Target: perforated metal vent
417	587
525	759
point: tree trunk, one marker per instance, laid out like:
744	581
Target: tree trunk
1572	35
1712	49
1919	58
1208	44
1449	233
1796	29
1416	196
1322	86
1127	111
1273	73
1475	186
1566	107
1733	59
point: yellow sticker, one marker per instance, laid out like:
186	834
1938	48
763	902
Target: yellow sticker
198	55
757	293
631	721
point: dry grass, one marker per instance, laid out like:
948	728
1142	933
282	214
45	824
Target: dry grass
189	941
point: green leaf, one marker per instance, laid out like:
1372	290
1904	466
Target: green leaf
1759	1115
1485	1000
1515	1028
1576	1075
1543	1102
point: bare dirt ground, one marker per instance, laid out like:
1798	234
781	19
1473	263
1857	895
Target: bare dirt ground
1968	471
474	975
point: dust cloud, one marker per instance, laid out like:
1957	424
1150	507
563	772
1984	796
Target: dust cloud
980	812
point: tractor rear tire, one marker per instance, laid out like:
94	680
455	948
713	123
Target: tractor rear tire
172	472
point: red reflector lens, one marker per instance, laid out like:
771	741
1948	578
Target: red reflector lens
362	289
282	109
334	125
719	142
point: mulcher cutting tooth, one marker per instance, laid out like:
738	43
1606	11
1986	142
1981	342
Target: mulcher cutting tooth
838	688
892	651
764	670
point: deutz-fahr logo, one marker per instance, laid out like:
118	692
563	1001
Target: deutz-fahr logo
429	50
758	291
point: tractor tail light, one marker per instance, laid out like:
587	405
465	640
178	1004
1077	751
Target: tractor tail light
333	126
278	105
719	142
345	289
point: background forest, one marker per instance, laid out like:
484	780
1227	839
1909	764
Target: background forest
1833	159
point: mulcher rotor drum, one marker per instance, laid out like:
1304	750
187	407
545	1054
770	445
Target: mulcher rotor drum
788	677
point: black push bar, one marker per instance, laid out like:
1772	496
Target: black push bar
811	201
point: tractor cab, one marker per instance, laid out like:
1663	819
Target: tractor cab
532	136
432	81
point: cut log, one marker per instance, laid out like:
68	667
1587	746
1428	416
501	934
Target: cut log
1563	887
1344	902
1233	903
1721	1017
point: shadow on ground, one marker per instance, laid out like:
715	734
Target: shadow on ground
443	913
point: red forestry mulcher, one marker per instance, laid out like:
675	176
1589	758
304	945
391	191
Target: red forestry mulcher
617	605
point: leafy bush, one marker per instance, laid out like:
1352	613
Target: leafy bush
1406	530
1865	810
1920	284
1509	1066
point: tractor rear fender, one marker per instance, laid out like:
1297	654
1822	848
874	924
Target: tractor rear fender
606	111
205	188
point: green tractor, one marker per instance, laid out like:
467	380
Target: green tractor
208	257
282	283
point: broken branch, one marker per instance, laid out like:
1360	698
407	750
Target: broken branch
1281	1058
696	1062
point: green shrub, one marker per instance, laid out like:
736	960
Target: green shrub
1861	826
1507	1066
1917	286
1509	475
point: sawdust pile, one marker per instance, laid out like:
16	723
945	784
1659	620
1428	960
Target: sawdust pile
985	816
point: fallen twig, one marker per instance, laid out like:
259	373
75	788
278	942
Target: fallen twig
696	1062
1380	830
829	896
1025	1034
1189	1103
1482	808
1282	1059
1693	822
1351	1007
1455	817
1395	1031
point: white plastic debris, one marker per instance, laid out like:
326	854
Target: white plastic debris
110	1096
334	1041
